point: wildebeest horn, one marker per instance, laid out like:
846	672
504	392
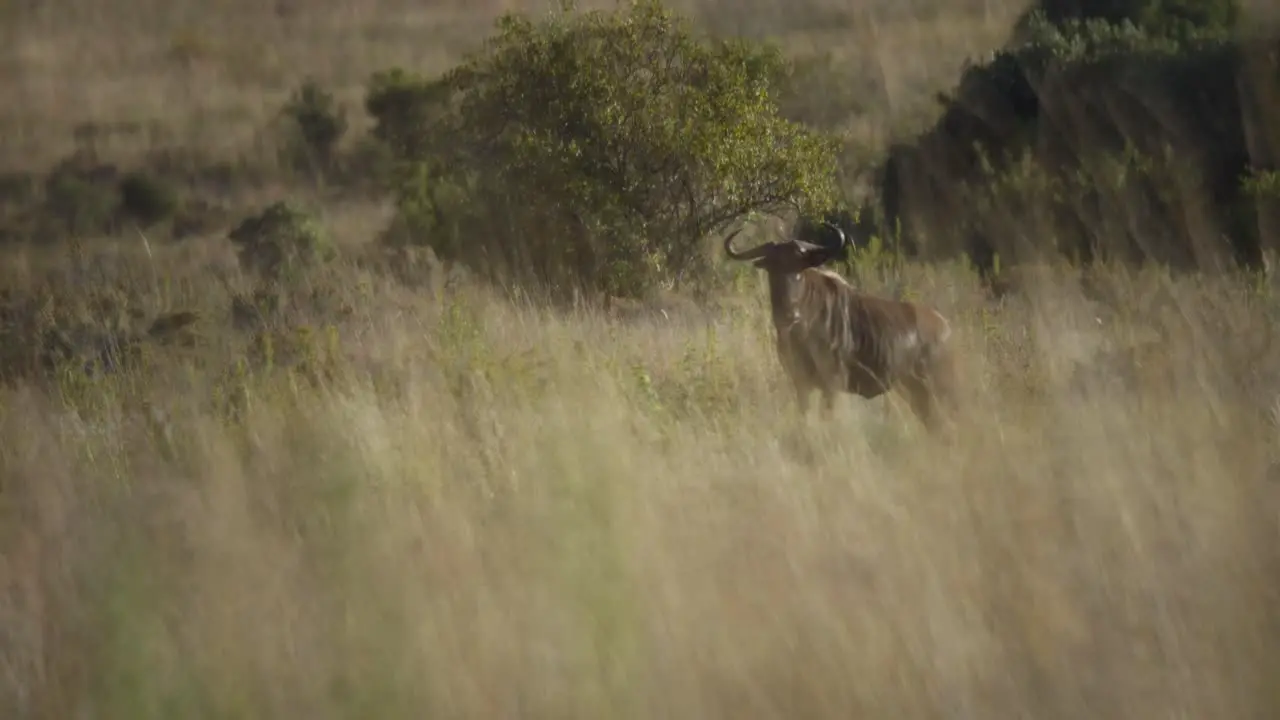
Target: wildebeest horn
751	254
842	240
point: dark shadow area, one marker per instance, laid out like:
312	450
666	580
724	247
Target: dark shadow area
1122	130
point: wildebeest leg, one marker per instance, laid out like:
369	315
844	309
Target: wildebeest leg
922	401
889	406
802	399
828	404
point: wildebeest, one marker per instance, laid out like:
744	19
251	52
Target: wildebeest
833	338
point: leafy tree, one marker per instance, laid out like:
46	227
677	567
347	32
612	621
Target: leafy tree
281	241
596	150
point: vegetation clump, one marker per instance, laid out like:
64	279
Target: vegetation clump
317	123
146	199
373	487
1094	111
1157	17
595	150
281	241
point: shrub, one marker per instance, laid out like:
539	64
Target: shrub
146	199
19	205
318	124
81	197
595	150
1164	17
1073	101
84	197
281	241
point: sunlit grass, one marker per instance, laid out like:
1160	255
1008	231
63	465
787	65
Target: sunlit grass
502	510
443	503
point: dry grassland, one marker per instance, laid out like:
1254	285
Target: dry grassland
442	503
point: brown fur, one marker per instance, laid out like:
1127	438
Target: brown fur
832	338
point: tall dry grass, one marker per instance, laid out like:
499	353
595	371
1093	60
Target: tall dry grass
489	509
447	504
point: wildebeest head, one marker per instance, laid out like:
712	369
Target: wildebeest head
785	261
791	256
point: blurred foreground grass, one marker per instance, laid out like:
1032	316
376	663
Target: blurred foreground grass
463	507
380	499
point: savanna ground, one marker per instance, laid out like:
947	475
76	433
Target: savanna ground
412	496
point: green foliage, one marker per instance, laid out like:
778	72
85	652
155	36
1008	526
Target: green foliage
19	197
318	124
1085	88
146	199
281	241
1078	60
84	333
81	198
595	150
472	364
1165	17
1262	184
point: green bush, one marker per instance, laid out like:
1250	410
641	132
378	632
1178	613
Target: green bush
1068	103
84	197
281	241
1165	17
595	150
146	199
80	198
318	123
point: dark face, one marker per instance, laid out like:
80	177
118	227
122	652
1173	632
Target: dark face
790	257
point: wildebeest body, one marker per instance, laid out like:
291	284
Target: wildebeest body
831	338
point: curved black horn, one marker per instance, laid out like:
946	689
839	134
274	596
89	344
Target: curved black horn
840	236
751	254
